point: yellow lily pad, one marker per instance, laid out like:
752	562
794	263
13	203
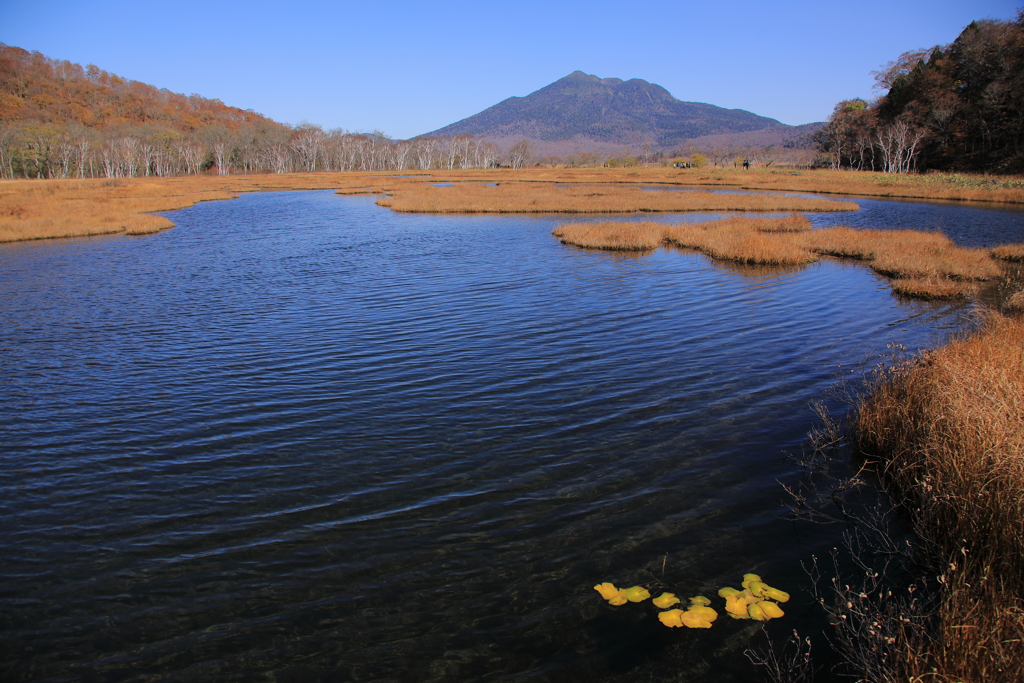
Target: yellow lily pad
756	612
758	588
770	610
612	594
727	591
665	600
700	600
693	619
736	606
672	618
637	594
776	595
703	612
749	579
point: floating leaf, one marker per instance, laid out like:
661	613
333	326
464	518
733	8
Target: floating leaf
756	612
749	579
703	612
672	618
637	594
736	606
758	588
694	619
771	610
700	600
727	591
612	594
776	594
665	600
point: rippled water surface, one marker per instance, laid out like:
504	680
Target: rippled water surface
300	437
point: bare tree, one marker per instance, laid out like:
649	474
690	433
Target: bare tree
898	143
519	154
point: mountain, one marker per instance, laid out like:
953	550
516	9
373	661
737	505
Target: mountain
603	112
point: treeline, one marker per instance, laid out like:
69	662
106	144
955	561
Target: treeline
60	120
956	107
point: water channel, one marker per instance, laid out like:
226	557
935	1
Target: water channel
301	437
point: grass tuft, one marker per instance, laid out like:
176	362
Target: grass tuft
947	433
1009	252
923	265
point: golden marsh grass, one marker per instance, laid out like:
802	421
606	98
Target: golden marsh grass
1009	252
924	265
552	197
746	240
43	209
947	433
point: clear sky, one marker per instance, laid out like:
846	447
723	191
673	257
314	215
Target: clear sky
409	67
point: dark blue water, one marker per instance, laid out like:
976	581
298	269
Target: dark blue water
968	225
301	437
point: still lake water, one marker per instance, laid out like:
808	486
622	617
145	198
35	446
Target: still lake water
300	437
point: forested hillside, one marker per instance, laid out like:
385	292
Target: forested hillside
956	107
60	120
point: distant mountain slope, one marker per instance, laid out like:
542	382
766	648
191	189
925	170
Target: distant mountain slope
588	109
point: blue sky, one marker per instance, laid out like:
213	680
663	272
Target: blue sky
407	68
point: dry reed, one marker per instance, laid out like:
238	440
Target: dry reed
924	265
741	239
41	209
612	236
931	288
1009	252
552	197
947	433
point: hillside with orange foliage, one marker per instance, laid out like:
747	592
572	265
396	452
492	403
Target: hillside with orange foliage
37	89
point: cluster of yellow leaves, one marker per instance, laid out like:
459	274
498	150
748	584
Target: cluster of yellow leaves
754	601
620	597
698	615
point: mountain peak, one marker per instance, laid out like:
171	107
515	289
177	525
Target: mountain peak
583	107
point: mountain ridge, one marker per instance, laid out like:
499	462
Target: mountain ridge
585	109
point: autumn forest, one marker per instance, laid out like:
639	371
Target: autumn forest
60	120
956	107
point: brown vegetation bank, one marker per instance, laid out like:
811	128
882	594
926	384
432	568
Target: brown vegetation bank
43	209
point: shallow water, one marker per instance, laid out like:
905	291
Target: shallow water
301	437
